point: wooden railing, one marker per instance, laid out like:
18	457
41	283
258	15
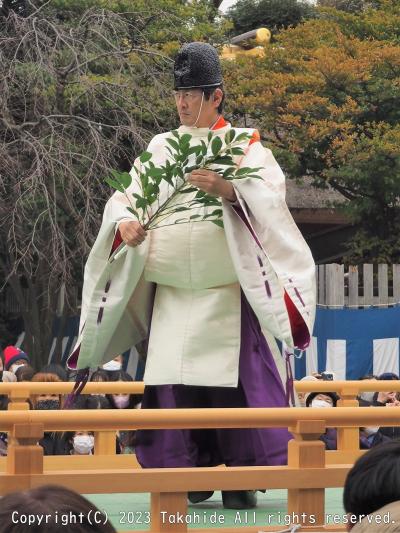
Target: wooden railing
309	471
306	476
348	449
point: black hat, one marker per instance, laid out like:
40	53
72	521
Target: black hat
197	65
332	395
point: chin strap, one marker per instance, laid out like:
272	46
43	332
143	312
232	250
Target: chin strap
201	107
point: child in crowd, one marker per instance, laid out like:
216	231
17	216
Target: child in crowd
79	442
14	358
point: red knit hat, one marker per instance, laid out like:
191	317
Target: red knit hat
13	354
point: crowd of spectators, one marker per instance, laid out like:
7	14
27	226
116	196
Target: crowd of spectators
369	436
378	470
15	366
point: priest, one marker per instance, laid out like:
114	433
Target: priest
204	297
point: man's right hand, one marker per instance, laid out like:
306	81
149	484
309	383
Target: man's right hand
132	233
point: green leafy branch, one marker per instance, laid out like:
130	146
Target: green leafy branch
148	206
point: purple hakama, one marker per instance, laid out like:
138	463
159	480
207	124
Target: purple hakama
259	386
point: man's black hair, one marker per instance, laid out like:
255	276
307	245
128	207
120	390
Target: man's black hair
208	91
374	480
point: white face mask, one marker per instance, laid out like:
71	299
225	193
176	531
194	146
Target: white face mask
14	368
112	365
371	431
83	444
367	396
320	403
121	400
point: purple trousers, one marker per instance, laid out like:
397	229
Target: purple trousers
259	386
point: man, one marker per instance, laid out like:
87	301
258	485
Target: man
206	291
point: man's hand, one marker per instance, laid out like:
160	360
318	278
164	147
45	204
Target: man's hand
395	403
212	183
384	397
132	233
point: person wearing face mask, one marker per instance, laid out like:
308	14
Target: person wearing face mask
14	358
51	442
125	439
81	443
323	400
371	436
366	398
114	365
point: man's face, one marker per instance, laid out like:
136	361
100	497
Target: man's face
189	102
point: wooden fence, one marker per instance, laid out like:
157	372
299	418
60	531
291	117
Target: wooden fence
338	286
306	475
358	286
348	437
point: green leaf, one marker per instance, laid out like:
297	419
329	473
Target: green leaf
229	136
218	222
115	185
209	136
237	151
243	170
175	133
152	190
142	203
146	156
179	209
195	150
144	180
229	171
216	145
189	189
155	172
174	144
188	170
125	179
242	137
134	212
137	196
194	216
203	149
224	160
185	138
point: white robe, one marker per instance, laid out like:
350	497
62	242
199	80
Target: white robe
119	291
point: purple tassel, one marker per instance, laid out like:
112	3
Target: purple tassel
82	377
289	380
